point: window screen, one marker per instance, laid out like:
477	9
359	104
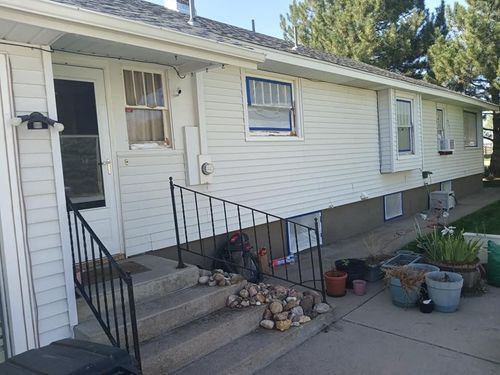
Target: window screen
270	105
405	125
393	206
470	129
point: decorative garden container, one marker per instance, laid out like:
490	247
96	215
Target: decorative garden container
374	273
355	268
403	297
336	283
359	287
444	289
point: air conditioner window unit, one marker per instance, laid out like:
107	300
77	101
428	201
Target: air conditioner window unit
442	200
446	145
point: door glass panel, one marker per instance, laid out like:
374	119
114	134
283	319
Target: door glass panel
80	148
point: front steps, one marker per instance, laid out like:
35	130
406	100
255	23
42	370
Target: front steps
186	328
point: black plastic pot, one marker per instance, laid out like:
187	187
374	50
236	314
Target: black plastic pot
426	308
373	273
355	268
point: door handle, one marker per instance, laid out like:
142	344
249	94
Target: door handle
108	165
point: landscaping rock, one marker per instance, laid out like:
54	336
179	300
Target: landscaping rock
218	277
297	312
203	272
235	278
307	304
252	290
260	297
322	308
276	307
304	319
267	324
281	316
268	315
316	296
244	293
231	299
283	325
280	292
245	303
212	283
290	305
203	280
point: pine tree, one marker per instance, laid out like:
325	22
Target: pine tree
468	58
392	34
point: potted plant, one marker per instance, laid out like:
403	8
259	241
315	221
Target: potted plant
335	283
451	252
444	289
405	283
355	269
375	259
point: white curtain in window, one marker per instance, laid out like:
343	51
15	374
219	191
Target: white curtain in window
145	125
440	122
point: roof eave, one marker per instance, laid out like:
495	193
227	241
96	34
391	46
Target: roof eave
71	19
327	67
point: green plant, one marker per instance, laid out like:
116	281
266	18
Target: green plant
449	246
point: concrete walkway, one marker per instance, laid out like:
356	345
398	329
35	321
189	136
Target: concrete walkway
371	336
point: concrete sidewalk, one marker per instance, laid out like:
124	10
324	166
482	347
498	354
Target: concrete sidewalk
371	336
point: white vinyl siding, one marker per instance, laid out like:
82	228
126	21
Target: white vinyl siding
38	184
464	161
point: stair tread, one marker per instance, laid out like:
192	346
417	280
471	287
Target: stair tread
256	350
198	338
174	300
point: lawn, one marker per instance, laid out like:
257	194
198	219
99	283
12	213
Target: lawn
485	220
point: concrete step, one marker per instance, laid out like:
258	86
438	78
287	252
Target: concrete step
192	341
161	315
256	350
162	279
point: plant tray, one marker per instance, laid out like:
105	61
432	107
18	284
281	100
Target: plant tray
402	259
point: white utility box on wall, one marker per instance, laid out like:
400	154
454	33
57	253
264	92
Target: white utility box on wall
442	200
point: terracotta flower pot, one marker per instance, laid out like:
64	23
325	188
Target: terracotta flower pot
336	283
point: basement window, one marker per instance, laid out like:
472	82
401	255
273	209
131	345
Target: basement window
270	107
393	206
146	110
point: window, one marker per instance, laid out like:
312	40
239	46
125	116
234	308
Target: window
440	123
405	125
393	206
146	109
270	107
470	129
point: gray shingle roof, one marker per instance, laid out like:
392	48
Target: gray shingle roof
158	15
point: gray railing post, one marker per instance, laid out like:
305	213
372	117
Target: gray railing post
180	263
320	260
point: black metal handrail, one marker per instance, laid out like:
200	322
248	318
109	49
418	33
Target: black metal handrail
103	284
191	229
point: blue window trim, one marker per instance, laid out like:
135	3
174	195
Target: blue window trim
411	127
249	102
402	206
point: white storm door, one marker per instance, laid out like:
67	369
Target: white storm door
86	150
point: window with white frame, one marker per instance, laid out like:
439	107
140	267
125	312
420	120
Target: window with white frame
393	206
146	109
440	123
470	129
404	119
270	107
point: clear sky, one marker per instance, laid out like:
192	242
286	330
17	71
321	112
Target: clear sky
265	12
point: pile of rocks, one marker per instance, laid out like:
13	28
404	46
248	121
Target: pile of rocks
286	307
218	278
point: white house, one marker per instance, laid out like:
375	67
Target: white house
144	95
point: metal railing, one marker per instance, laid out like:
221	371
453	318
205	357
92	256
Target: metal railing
103	284
202	221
